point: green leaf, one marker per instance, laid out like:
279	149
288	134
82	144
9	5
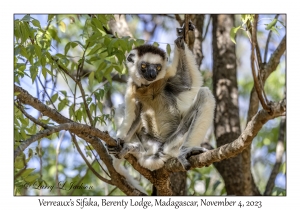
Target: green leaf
19	162
36	23
168	49
139	42
274	29
27	172
89	147
38	51
26	18
155	44
78	115
50	17
95	49
91	79
74	44
33	73
271	24
31	178
54	97
44	72
100	106
233	32
23	134
62	104
67	47
62	26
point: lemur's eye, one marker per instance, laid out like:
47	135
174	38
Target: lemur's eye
143	66
158	68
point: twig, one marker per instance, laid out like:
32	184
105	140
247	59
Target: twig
112	191
74	139
63	69
88	164
259	60
206	29
35	121
275	58
77	81
46	92
56	161
256	82
81	179
279	155
85	103
267	43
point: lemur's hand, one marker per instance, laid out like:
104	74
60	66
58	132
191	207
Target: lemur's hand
115	150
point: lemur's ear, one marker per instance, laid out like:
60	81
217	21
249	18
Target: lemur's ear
129	57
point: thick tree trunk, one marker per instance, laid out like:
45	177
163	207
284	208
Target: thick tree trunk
227	122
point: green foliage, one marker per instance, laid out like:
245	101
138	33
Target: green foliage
46	53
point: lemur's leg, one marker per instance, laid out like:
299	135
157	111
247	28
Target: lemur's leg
131	143
192	128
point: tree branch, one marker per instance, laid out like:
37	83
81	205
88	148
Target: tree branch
74	127
186	31
237	146
275	59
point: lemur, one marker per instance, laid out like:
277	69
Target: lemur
167	111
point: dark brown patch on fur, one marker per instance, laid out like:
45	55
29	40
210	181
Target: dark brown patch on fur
147	48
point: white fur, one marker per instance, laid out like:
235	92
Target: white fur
129	112
202	116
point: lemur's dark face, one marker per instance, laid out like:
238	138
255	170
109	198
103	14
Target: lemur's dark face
149	71
146	64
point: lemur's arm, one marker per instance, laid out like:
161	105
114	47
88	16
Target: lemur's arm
130	115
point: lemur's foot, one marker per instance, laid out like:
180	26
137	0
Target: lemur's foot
191	26
115	149
129	148
187	153
179	42
180	31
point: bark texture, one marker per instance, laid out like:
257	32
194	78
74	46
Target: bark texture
226	122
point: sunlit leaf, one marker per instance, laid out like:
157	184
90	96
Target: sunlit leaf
91	79
168	49
62	26
233	32
271	24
